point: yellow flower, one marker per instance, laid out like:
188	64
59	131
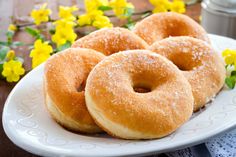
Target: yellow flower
102	22
40	53
120	7
10	55
230	57
84	19
62	36
91	5
66	12
12	27
41	15
39	60
89	17
64	32
95	18
64	24
178	6
12	70
160	5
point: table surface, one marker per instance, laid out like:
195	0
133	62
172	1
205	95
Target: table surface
7	148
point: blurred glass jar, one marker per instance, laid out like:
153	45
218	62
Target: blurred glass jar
219	17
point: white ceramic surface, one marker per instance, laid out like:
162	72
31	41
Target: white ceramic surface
28	124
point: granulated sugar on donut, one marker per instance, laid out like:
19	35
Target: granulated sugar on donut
64	77
163	25
199	63
111	40
110	91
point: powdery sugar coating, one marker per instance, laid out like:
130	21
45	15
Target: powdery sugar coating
162	25
199	63
65	73
110	95
111	40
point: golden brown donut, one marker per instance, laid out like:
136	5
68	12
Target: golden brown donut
111	40
122	111
199	63
65	75
162	25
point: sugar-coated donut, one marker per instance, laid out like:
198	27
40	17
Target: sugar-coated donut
122	111
111	40
162	25
64	80
198	61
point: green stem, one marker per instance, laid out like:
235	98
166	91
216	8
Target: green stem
32	24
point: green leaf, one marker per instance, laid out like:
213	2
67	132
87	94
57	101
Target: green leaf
64	46
35	33
3	52
130	25
9	34
230	82
233	73
1	68
17	43
40	36
52	31
104	8
146	14
226	66
3	43
128	12
31	31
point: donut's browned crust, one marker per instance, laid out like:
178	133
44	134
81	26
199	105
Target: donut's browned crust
122	112
198	61
64	79
162	25
111	40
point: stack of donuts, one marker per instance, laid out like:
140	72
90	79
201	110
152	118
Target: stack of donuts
139	84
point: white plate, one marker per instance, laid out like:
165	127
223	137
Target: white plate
28	124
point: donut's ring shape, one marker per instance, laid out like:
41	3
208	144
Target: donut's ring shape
64	80
162	25
122	112
198	61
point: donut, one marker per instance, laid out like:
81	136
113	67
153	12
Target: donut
111	40
199	63
164	104
162	25
65	76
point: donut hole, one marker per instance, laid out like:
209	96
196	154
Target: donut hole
142	85
141	88
182	66
81	87
147	81
185	62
